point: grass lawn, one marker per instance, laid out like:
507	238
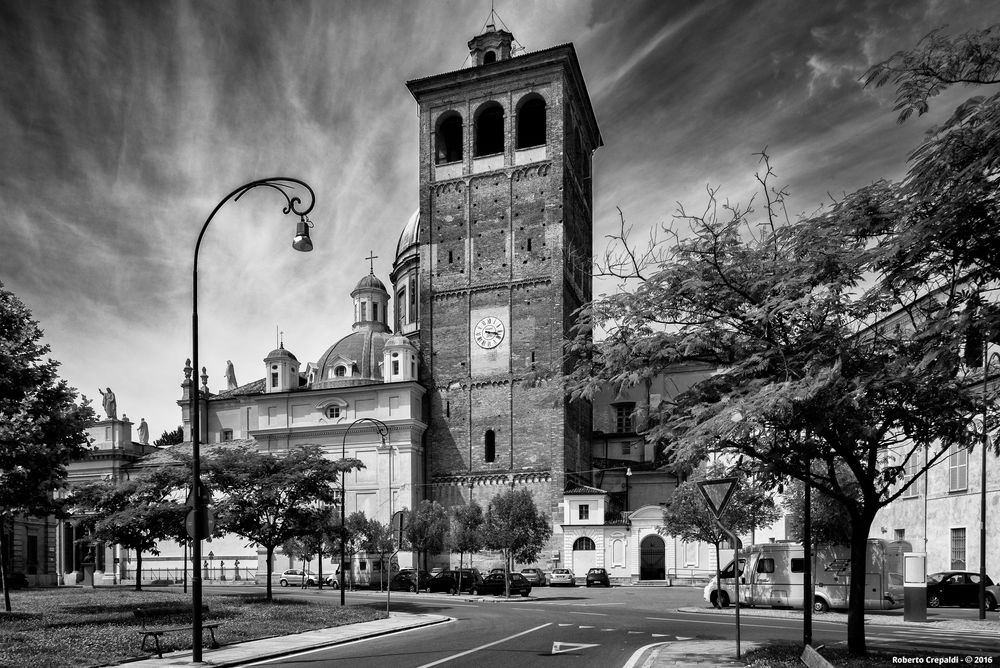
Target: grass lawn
789	656
95	627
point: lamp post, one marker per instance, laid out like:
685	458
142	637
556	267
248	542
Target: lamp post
302	242
987	360
383	432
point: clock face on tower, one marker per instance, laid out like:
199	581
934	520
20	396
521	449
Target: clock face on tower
489	332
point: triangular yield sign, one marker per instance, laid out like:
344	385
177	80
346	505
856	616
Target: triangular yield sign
560	647
717	493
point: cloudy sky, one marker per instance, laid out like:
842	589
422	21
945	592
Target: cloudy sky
123	124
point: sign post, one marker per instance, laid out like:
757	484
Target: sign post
717	493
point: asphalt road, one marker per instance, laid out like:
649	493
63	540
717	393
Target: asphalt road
589	627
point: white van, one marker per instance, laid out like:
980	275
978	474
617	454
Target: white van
772	576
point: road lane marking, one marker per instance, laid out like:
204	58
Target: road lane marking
561	647
586	627
595	614
476	649
565	625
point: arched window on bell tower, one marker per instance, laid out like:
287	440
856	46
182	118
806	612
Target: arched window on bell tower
531	121
489	130
448	139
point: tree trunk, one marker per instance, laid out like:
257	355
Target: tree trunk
856	644
270	553
3	565
138	570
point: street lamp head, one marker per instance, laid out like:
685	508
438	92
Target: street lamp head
302	242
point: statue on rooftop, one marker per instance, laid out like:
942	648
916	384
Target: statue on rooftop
231	383
110	404
143	431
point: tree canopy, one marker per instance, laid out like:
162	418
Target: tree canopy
514	527
838	337
426	529
42	425
270	498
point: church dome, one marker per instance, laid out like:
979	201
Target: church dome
369	282
353	360
410	235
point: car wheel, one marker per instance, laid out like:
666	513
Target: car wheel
284	583
933	601
452	590
413	589
588	584
474	591
991	603
820	605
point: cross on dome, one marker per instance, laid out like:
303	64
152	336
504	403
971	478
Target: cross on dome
371	258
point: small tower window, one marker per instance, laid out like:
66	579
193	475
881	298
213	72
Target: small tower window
364	311
450	257
374	311
489	57
448	139
490	446
531	123
340	371
395	367
489	130
333	411
274	375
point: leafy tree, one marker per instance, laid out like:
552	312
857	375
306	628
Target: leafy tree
515	528
268	498
813	381
426	530
829	521
322	538
42	427
170	437
135	513
750	508
466	532
374	537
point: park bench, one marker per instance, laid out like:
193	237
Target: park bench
144	615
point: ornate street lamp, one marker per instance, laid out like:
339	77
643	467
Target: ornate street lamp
383	432
301	242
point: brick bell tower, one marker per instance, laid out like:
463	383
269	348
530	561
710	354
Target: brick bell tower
505	230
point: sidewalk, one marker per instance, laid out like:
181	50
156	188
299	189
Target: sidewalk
269	648
691	653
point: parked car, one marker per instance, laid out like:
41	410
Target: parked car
959	588
406	580
494	571
536	576
598	576
294	577
494	584
444	581
562	576
469	577
331	581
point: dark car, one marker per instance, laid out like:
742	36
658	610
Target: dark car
598	576
536	576
444	581
494	584
406	580
467	578
959	588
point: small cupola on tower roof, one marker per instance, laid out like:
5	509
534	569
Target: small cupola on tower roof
371	304
490	46
282	371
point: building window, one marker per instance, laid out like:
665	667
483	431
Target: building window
899	534
489	130
910	471
584	544
958	549
583	512
374	311
395	367
489	57
627	448
691	554
490	443
531	123
448	139
227	435
363	311
340	371
401	309
958	470
333	411
623	418
274	379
